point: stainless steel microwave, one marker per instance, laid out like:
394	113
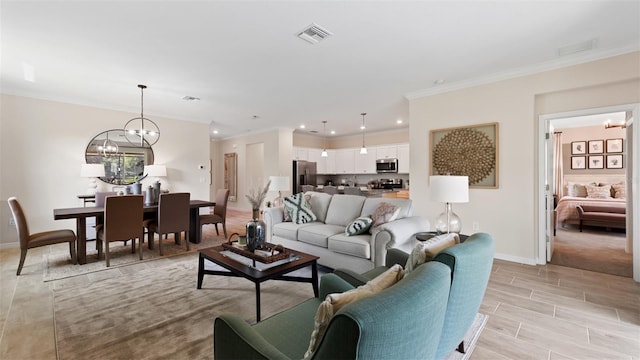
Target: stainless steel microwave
384	166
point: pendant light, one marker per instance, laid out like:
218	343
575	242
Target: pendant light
141	130
324	132
108	148
363	150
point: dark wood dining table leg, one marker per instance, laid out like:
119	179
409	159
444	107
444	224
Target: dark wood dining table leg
81	239
257	301
194	223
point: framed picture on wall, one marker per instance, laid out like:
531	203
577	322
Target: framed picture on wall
614	161
578	147
596	162
614	145
468	151
578	162
596	146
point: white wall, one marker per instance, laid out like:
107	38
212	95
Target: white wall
509	213
277	155
43	145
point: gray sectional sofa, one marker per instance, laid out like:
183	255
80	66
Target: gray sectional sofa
326	236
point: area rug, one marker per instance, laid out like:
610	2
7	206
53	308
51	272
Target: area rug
158	313
57	264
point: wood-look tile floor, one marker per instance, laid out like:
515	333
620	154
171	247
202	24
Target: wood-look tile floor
535	312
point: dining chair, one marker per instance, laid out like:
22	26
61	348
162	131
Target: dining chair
122	221
330	189
29	241
217	215
352	190
306	188
173	217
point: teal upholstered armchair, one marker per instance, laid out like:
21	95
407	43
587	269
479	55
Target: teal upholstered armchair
403	321
470	264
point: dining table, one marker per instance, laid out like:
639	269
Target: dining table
82	213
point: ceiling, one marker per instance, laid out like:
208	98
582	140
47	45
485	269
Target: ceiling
251	73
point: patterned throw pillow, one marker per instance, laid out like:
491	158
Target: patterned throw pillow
286	216
358	226
599	192
619	191
336	301
299	209
384	213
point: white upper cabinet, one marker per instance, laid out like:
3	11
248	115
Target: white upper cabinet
330	162
365	163
345	161
387	152
300	154
315	155
403	159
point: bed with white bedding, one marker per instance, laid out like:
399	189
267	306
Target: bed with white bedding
576	194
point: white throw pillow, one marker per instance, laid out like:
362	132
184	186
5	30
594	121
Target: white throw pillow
335	302
427	250
599	192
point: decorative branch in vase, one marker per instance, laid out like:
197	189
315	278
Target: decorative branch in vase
256	197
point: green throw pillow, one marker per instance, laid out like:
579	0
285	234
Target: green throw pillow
358	226
299	209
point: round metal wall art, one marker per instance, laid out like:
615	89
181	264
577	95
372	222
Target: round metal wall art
465	152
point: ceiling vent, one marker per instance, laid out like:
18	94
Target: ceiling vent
576	48
314	33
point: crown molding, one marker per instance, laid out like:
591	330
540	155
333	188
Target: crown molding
520	72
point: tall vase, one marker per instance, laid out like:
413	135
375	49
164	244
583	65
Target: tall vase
256	231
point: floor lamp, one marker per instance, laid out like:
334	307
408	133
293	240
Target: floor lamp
449	189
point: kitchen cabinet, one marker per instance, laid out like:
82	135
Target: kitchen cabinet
387	152
301	154
315	155
403	159
330	162
365	163
345	161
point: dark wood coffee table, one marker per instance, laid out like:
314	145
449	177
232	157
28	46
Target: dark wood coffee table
218	255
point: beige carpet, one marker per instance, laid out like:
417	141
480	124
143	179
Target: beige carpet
594	250
157	313
57	265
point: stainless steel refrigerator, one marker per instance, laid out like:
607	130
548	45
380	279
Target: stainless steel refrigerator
304	173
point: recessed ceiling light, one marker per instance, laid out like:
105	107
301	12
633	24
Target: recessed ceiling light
190	98
333	132
399	121
438	82
302	126
215	132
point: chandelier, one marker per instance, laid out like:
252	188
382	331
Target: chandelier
140	129
108	147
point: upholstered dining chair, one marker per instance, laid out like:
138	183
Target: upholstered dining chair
29	241
306	188
122	221
173	217
330	189
352	190
218	214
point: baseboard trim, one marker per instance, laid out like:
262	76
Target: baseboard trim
11	245
517	259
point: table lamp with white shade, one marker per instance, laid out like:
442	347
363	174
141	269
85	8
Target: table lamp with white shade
449	189
279	184
92	171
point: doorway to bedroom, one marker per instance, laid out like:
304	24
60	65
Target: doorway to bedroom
590	170
587	169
